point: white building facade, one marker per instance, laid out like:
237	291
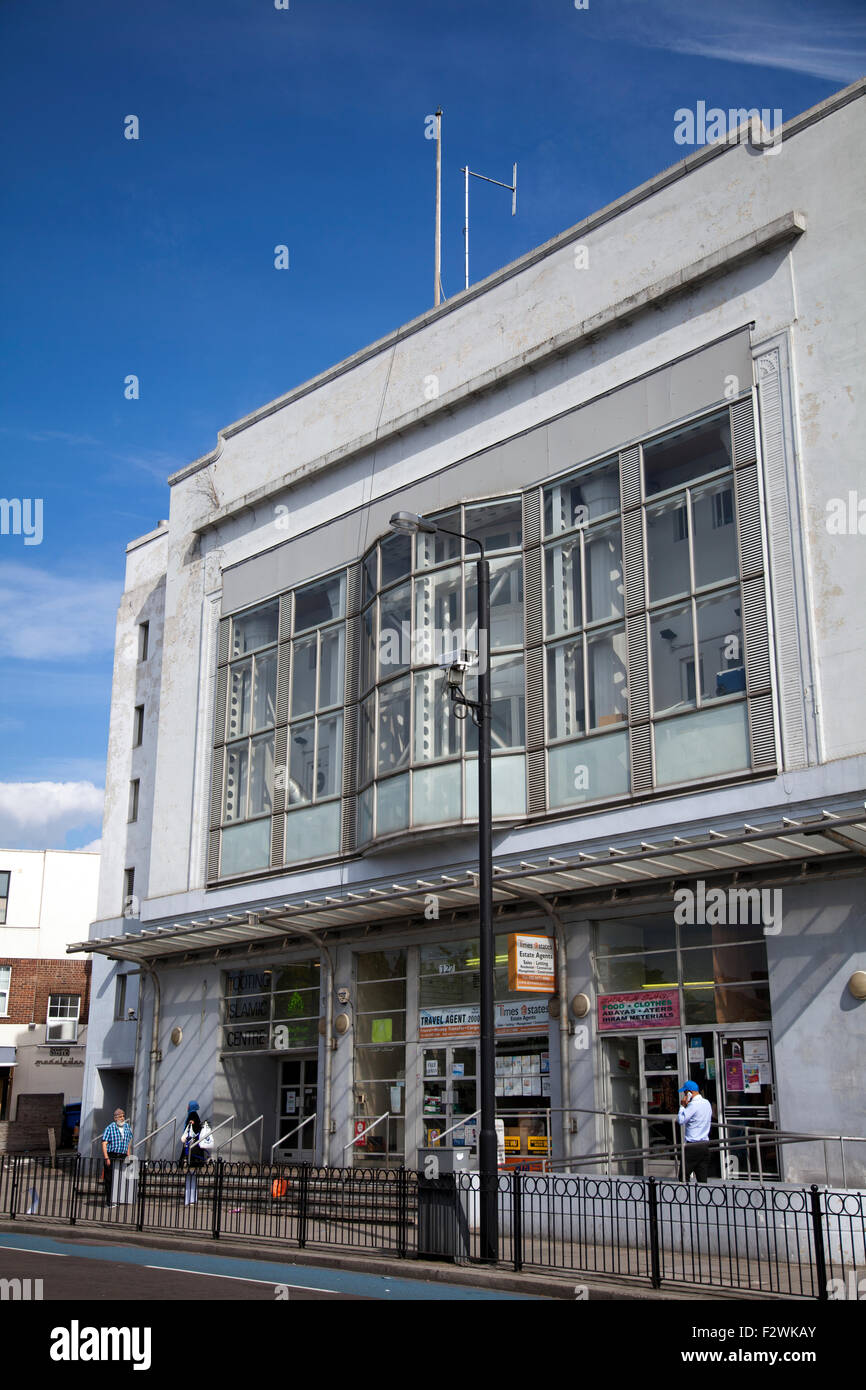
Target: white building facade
46	898
653	423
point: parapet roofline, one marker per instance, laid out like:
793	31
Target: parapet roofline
548	248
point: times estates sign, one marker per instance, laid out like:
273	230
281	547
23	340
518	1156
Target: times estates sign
531	964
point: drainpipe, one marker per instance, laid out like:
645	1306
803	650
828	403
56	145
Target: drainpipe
134	1100
155	1054
564	1024
330	1040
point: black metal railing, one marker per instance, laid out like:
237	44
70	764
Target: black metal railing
778	1239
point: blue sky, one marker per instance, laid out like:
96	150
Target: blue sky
260	127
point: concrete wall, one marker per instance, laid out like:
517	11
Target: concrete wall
819	1029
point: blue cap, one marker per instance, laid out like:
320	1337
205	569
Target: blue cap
193	1105
689	1086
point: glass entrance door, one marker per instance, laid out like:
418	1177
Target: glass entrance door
748	1092
660	1076
299	1093
450	1093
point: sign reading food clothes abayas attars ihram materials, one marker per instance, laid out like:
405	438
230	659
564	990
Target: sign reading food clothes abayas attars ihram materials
651	1008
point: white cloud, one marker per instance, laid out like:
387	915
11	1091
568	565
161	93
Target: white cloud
828	42
38	815
95	847
50	617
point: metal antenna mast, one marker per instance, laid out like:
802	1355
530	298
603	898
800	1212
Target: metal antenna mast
437	254
512	188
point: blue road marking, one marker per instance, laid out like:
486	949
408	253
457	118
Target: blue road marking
344	1281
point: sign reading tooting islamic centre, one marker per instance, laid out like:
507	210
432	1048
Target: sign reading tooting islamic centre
647	1008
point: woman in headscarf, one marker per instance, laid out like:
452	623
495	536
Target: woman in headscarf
191	1152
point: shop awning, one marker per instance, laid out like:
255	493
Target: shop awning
789	844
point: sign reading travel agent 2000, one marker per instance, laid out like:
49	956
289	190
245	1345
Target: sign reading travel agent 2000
648	1008
529	1016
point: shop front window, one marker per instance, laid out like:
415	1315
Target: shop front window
380	1058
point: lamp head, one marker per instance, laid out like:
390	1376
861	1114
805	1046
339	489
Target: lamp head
410	522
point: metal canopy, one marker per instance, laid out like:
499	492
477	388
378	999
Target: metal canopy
664	860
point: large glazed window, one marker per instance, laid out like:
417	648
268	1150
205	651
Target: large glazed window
416	761
696	648
584	623
248	784
314	773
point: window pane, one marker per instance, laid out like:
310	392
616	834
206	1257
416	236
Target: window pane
436	794
563	610
667	540
321	602
576	500
239	700
689	453
368	648
312	832
508	787
507	701
499	525
727	1004
304	676
370	565
565	708
589	770
329	759
253	630
436	548
720	644
437	732
365	816
723	964
712	741
673	659
636	935
393	736
506	604
715	534
392	805
438	613
262	775
395	617
604	576
237	766
301	762
265	699
378	965
396	552
626	973
608	688
366	740
331	666
245	847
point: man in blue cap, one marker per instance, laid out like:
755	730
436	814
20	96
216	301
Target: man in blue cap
696	1116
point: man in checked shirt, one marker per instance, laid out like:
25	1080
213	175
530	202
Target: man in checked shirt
116	1144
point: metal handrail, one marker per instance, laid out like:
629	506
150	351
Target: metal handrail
258	1120
223	1122
290	1133
464	1120
154	1132
384	1116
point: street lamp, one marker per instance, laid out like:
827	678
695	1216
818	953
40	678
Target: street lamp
409	523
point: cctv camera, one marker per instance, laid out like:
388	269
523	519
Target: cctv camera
459	659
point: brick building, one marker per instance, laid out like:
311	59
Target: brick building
46	898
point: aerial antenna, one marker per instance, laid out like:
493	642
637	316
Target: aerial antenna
437	253
512	188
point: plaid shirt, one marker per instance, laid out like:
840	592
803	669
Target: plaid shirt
117	1140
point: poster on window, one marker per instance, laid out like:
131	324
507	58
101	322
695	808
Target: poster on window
646	1008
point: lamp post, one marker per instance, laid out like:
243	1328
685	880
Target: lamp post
479	709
